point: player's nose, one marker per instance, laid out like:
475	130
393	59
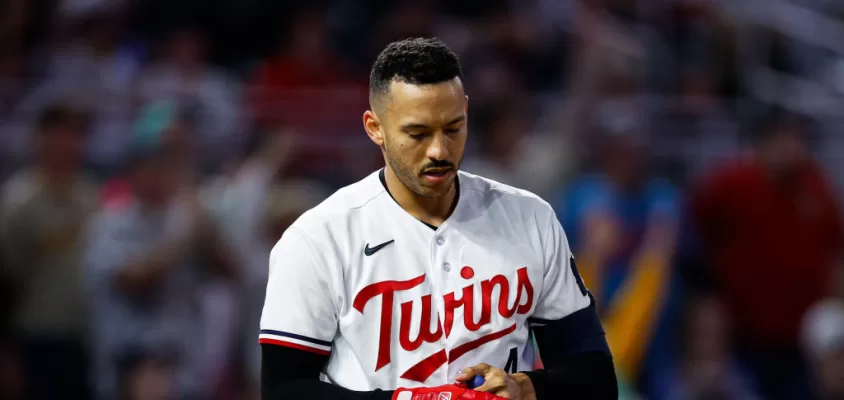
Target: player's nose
438	147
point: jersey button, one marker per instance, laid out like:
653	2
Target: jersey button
447	267
440	240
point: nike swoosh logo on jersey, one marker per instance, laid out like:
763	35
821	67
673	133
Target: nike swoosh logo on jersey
372	250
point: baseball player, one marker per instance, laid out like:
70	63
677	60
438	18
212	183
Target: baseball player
425	282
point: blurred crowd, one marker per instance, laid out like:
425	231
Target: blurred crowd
153	152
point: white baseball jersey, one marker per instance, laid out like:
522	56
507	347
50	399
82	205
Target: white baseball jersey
398	304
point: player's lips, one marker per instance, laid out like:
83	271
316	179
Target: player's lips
437	175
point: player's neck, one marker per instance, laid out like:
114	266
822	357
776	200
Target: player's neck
431	210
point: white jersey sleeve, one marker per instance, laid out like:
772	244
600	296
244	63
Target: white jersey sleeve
299	309
563	290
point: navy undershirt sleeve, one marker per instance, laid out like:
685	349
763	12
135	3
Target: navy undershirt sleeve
288	373
576	358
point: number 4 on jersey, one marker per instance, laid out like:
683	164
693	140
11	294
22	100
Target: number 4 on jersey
512	365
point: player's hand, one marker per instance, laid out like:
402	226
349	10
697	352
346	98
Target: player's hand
500	383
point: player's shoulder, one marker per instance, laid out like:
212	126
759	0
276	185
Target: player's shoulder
339	207
490	191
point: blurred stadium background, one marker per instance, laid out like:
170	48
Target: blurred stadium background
692	149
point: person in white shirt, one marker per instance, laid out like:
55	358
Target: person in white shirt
422	280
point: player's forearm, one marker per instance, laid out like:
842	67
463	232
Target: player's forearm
584	376
288	373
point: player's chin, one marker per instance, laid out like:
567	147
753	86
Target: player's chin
436	187
430	193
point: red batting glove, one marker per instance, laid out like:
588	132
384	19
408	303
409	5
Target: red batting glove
444	392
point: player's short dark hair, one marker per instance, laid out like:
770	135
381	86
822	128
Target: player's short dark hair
417	61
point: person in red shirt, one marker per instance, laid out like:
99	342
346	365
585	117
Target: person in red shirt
307	89
771	229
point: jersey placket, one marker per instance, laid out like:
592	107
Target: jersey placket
445	246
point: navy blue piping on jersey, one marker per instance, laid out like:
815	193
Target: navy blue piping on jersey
295	336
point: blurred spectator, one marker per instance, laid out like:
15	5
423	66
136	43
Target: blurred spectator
541	74
253	211
145	376
507	149
155	263
823	338
170	123
622	226
700	38
495	80
44	210
706	367
772	233
12	77
305	62
404	19
97	71
499	137
694	132
13	22
13	87
284	203
792	62
604	83
308	88
833	161
207	95
607	46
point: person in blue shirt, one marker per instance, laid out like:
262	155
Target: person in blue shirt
622	225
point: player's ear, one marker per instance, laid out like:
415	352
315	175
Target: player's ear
372	125
466	105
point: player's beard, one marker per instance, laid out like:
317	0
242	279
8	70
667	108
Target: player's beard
411	178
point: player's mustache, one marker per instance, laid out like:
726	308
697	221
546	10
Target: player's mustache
438	165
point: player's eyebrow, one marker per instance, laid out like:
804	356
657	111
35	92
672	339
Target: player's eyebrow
458	119
412	126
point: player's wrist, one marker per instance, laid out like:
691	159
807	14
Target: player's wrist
525	386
